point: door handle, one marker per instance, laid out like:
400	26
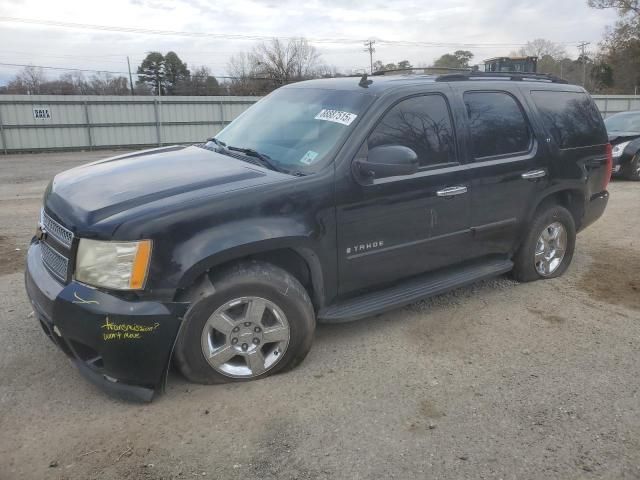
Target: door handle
533	174
452	191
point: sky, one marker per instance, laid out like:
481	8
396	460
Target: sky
418	31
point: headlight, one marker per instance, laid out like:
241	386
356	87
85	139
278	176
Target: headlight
115	265
619	148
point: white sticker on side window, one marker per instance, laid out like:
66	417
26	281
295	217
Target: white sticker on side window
309	157
337	116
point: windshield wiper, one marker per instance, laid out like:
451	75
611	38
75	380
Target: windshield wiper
265	159
216	141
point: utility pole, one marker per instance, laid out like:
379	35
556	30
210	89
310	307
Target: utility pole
582	46
130	77
369	48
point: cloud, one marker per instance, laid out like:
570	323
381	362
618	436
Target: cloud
504	22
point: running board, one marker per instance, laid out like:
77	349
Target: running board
412	290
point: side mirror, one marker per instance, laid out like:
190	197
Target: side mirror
389	161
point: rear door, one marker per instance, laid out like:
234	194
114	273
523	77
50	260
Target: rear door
507	165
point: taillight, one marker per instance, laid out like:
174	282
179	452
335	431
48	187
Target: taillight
608	167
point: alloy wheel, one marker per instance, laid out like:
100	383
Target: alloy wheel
245	337
550	249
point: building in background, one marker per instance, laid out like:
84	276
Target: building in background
511	64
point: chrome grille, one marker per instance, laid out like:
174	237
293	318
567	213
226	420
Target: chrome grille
55	230
55	262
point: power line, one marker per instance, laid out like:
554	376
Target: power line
62	68
227	36
46	67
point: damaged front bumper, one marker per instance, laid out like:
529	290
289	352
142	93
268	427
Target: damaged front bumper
122	346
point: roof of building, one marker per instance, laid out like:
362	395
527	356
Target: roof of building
511	58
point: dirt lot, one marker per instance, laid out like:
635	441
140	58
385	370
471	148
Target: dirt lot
498	380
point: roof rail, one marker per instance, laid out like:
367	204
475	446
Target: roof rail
517	76
421	69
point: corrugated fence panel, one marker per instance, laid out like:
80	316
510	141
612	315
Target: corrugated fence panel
611	104
112	136
58	122
51	122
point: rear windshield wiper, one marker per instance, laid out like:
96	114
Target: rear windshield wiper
265	159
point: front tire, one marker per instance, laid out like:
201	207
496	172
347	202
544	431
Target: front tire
250	321
548	246
631	171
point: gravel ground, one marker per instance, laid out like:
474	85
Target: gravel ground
498	380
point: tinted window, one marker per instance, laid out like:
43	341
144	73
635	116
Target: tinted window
497	124
422	124
571	118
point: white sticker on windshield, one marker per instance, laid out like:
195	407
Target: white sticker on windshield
309	157
337	116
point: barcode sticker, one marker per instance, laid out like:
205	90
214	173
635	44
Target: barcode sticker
336	116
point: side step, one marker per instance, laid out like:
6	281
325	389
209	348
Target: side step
412	290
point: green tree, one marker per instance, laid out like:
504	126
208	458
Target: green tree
200	82
151	72
378	66
175	72
620	49
404	64
457	59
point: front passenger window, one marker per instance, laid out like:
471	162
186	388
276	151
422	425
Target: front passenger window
422	124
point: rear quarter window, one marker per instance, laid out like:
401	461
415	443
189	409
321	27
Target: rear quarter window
571	118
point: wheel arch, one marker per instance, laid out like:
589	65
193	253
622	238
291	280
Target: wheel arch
573	199
300	261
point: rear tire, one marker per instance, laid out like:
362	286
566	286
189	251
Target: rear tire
245	323
548	246
631	171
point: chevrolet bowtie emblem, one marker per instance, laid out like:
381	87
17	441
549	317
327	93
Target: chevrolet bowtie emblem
41	233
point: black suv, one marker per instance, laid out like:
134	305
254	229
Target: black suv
330	199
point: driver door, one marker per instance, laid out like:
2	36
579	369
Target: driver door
396	227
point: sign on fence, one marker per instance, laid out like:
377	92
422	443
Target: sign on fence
41	113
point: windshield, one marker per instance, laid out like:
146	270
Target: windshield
623	123
296	128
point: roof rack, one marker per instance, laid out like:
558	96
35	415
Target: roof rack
420	69
517	76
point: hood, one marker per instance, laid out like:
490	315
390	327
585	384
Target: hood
617	137
90	193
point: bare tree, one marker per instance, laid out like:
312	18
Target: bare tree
245	79
29	81
624	7
284	62
542	48
272	64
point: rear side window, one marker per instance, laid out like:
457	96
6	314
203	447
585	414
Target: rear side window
422	124
497	124
571	118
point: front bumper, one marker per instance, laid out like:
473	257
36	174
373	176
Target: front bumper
122	346
619	163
